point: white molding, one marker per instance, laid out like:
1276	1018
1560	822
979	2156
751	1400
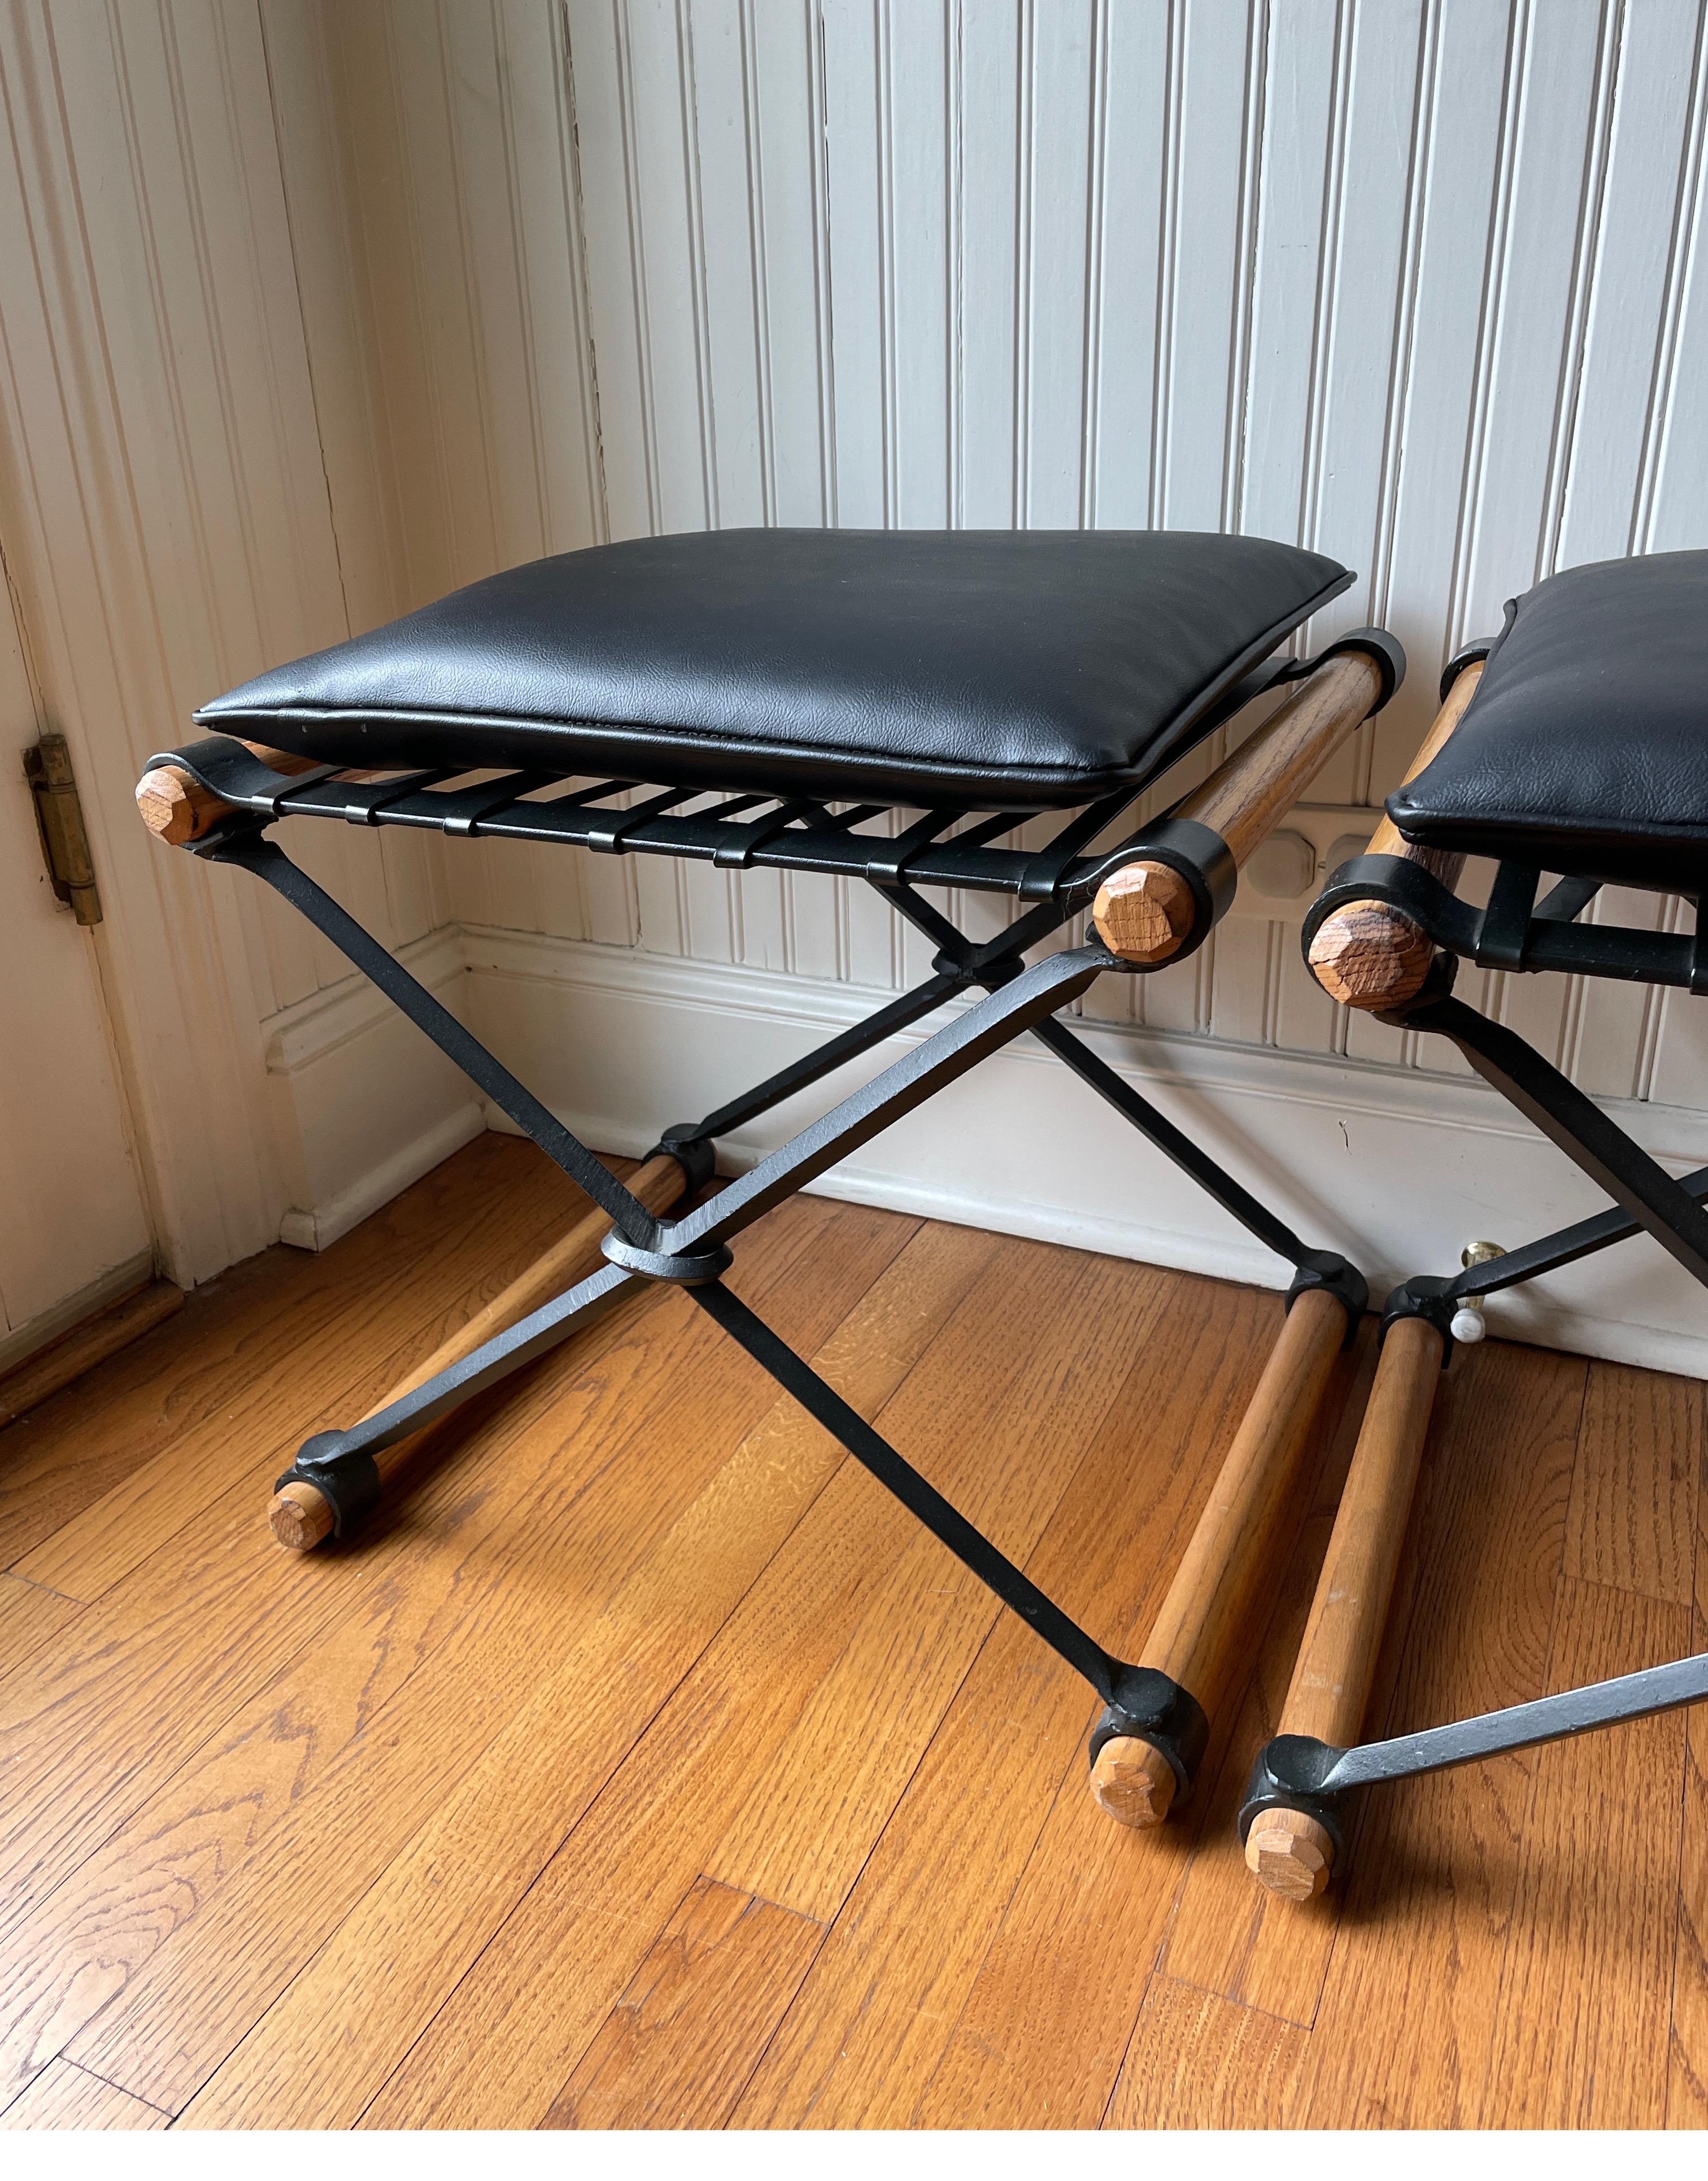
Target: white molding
322	1225
25	1340
369	1103
327	1020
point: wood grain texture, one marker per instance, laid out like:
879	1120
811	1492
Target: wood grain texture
1687	2058
301	1517
1434	1870
30	1616
556	1967
1367	954
447	1831
32	1381
1005	1454
215	1394
1337	1662
976	1914
66	2097
1248	795
178	810
1586	1997
692	2025
1633	1518
515	1751
1197	2060
1251	1519
1228	1936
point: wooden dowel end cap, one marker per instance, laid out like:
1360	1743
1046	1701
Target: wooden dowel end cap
1290	1853
1134	1782
1370	956
172	805
1144	911
300	1517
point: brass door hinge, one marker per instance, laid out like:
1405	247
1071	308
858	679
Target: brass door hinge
59	819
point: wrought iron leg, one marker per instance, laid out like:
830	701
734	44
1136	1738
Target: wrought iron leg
1137	1700
340	1464
1663	1207
270	864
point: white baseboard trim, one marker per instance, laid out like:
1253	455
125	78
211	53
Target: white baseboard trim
21	1342
319	1227
371	1106
1398	1168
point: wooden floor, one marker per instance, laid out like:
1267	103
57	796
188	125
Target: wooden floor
648	1766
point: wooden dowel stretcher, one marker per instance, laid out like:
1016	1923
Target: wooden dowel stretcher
1235	1550
300	1515
1289	1851
1144	911
1368	954
178	810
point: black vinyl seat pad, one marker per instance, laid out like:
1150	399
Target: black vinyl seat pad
997	668
1584	750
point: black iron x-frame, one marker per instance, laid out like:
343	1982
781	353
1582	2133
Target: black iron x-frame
942	848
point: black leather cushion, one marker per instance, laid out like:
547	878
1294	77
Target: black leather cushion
1585	748
1000	667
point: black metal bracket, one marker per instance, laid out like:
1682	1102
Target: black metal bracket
1511	933
1638	1185
1202	858
692	1150
1153	1707
1330	1272
1424	1295
348	1482
1380	645
1296	1772
1288	1775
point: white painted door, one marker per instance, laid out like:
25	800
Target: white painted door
73	1227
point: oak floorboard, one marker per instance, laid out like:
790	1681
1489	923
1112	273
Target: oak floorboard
811	1817
363	1330
1012	1866
1087	1879
1197	2060
1632	1523
30	1617
409	1591
1429	1905
225	1373
1586	1987
508	1814
66	2097
550	1976
1687	2047
543	1691
159	1665
692	2025
1687	2070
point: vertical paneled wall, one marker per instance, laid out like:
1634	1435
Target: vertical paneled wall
320	307
1417	283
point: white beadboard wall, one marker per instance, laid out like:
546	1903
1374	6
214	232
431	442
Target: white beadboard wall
1420	283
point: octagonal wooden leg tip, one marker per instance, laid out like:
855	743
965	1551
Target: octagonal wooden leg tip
299	1517
1134	1782
1291	1853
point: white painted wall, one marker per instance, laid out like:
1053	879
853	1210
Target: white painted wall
1421	282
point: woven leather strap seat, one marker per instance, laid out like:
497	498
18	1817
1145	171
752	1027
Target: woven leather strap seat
999	668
